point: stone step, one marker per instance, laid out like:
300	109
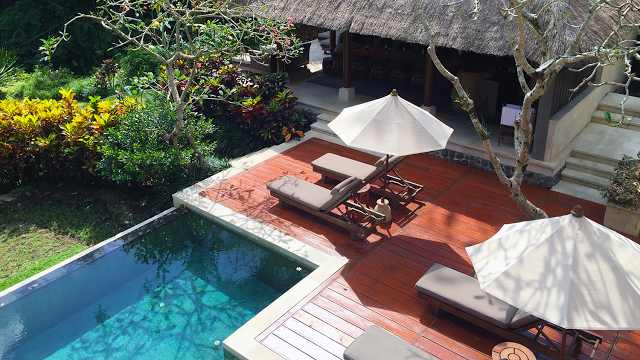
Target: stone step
322	128
611	103
592	156
633	124
590	167
582	178
579	191
326	117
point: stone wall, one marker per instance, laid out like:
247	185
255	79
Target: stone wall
475	162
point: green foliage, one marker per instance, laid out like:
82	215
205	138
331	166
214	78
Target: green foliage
24	23
135	153
259	107
106	76
8	69
624	184
85	88
48	139
137	63
44	83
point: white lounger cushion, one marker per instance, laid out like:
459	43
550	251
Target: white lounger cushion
464	293
340	167
311	195
378	344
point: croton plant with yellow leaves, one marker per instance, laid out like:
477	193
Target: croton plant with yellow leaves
49	139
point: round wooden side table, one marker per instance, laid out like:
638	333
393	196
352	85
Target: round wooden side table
511	351
363	194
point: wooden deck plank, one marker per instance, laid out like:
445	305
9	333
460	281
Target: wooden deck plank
334	320
458	207
315	337
373	316
322	327
285	349
301	343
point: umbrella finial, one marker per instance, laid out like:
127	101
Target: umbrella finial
394	92
577	211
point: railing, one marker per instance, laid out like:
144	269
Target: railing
307	32
563	83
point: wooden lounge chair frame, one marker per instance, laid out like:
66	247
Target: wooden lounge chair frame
404	195
407	192
515	334
352	214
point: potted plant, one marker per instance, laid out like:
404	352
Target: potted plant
623	195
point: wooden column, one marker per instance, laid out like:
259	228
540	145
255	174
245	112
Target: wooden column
332	40
532	82
279	62
346	59
428	82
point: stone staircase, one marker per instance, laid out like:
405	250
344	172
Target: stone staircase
321	125
587	168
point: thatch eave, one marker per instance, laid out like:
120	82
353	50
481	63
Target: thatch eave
485	35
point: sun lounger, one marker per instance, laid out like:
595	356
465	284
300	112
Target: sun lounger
339	168
333	205
378	344
461	295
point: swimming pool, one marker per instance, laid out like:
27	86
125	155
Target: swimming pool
176	292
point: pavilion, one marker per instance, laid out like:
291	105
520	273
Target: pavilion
461	37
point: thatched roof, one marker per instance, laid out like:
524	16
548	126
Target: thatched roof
396	19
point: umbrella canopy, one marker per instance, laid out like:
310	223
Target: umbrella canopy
568	270
391	125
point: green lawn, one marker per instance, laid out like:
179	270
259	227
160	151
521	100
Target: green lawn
40	227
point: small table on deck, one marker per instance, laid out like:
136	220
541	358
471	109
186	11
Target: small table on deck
363	193
511	351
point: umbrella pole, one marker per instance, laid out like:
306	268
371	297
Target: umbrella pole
382	205
563	344
384	185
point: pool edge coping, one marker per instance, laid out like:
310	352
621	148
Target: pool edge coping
242	344
125	236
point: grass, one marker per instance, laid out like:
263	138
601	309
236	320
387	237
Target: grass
40	227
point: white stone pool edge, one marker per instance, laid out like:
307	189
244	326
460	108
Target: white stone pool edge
242	343
126	235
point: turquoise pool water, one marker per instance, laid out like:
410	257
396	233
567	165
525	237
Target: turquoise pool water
174	293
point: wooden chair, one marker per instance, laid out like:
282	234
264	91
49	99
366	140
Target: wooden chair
417	77
399	190
379	69
337	62
399	73
507	121
360	65
336	205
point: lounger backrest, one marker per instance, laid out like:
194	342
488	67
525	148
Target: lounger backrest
346	189
522	318
393	162
336	189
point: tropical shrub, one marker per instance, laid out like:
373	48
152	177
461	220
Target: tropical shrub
43	83
259	107
48	139
136	63
105	77
134	152
624	184
85	88
9	70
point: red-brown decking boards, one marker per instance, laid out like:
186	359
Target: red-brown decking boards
459	207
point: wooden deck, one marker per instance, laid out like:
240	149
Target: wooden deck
459	206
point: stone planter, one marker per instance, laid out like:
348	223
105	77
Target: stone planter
622	220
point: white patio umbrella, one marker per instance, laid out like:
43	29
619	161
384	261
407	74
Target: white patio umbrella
392	126
568	270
